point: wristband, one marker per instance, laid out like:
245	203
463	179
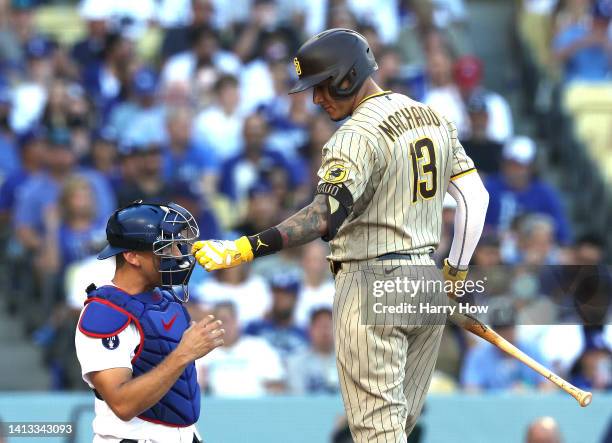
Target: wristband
267	242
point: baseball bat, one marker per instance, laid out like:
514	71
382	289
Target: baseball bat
485	332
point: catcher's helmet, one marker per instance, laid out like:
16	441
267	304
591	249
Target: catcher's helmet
337	54
156	228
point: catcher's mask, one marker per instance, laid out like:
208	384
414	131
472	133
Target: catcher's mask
168	230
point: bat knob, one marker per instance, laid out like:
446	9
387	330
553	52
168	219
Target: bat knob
585	400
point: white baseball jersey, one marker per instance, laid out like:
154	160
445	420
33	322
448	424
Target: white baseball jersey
97	354
396	157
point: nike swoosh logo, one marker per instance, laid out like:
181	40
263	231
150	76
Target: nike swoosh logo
168	325
389	271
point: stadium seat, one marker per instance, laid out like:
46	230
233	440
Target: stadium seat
61	22
591	107
534	31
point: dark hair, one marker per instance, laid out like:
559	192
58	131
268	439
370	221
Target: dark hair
225	80
119	260
591	239
317	312
112	41
195	35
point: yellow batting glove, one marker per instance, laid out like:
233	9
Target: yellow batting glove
453	275
222	254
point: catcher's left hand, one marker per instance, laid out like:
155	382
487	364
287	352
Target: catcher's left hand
222	254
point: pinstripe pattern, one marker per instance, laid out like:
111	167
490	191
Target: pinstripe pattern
385	368
380	177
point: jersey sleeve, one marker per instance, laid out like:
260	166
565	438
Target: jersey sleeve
461	163
348	159
98	354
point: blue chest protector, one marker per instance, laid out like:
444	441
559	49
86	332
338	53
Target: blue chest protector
161	321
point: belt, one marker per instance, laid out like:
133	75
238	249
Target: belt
395	256
335	266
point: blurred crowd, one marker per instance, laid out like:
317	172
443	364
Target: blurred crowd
571	39
568	44
186	100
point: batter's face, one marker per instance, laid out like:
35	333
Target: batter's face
337	109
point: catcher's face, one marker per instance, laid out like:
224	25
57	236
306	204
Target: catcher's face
149	268
149	264
336	109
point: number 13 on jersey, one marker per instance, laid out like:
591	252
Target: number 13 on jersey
424	171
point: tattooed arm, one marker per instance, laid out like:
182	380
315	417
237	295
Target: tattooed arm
306	225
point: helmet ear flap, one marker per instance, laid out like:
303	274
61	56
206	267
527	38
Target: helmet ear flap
337	91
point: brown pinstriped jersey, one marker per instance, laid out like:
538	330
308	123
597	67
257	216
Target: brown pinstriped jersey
396	157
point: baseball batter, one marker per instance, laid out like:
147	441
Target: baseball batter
378	202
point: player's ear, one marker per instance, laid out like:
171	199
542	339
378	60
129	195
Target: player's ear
133	258
346	82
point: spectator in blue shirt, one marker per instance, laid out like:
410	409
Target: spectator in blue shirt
104	156
18	28
72	231
43	190
9	158
593	369
255	163
278	326
516	191
29	96
32	151
585	49
183	159
90	49
486	367
142	113
107	82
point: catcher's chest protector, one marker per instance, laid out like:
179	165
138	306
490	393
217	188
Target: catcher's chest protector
160	321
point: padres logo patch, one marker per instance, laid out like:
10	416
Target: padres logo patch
336	173
111	342
298	68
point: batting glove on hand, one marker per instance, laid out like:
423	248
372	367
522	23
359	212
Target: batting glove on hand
222	254
454	275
